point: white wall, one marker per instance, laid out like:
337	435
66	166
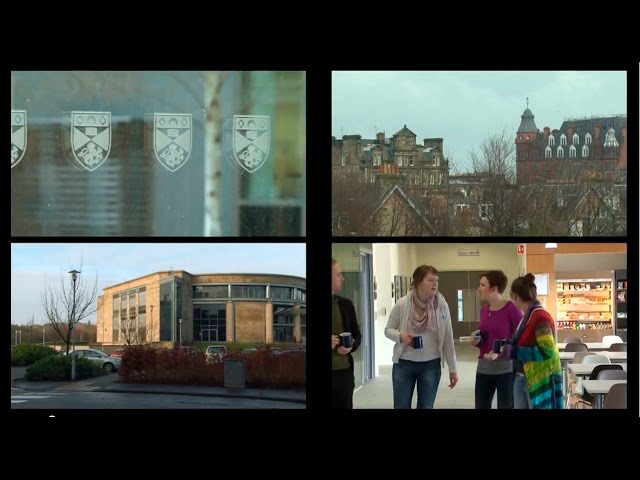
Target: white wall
391	259
386	257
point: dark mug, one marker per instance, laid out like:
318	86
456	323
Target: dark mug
346	340
497	345
417	342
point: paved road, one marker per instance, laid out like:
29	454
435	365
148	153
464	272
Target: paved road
25	399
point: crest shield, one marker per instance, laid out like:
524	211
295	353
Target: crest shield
251	140
172	139
90	138
18	135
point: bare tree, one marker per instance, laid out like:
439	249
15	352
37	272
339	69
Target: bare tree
495	164
64	307
136	331
450	158
352	202
30	325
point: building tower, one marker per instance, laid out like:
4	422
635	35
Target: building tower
526	151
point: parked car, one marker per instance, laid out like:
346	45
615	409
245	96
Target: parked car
294	353
106	362
216	353
119	352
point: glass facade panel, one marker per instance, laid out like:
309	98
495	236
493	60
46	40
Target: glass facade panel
210	291
136	153
210	322
249	291
283	323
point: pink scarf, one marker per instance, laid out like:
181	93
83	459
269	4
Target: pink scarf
426	321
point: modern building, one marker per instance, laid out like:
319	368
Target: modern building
170	306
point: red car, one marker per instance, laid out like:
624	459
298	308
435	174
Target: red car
118	353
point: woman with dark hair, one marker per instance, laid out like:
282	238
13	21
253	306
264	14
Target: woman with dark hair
499	319
536	361
420	326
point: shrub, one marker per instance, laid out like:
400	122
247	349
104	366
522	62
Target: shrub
175	366
58	367
26	354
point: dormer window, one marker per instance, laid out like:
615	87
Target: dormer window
585	151
552	140
587	139
572	151
560	152
563	139
547	152
576	139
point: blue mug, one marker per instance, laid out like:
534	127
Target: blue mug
346	340
417	342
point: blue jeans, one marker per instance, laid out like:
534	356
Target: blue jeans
521	398
406	374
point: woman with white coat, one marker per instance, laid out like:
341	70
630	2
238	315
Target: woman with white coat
420	326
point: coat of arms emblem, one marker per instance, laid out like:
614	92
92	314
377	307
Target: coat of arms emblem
90	138
18	135
251	140
172	136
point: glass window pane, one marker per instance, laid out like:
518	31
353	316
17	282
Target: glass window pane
99	153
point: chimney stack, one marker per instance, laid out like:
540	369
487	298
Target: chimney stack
546	135
380	138
597	130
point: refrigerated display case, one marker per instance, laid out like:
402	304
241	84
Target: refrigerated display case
620	304
584	309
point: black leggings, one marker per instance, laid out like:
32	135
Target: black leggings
486	386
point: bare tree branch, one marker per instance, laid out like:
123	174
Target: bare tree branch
60	309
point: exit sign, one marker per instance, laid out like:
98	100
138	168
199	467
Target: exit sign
521	249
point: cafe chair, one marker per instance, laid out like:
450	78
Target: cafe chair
617	396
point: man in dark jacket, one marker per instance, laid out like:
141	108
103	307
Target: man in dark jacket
343	320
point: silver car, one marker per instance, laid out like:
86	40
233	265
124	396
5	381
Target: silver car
216	353
105	362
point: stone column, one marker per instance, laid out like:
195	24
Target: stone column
231	326
297	332
268	320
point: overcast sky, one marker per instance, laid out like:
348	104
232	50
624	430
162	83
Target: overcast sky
463	108
33	264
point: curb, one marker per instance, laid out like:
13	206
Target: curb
169	392
205	394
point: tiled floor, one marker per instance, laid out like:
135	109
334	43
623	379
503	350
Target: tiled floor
379	392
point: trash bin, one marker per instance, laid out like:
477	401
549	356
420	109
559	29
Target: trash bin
234	373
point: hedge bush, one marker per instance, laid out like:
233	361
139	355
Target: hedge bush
26	354
59	368
173	366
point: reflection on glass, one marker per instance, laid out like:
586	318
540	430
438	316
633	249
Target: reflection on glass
158	153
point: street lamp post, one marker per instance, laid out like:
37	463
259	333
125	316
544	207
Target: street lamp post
16	342
74	278
180	322
20	336
43	337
